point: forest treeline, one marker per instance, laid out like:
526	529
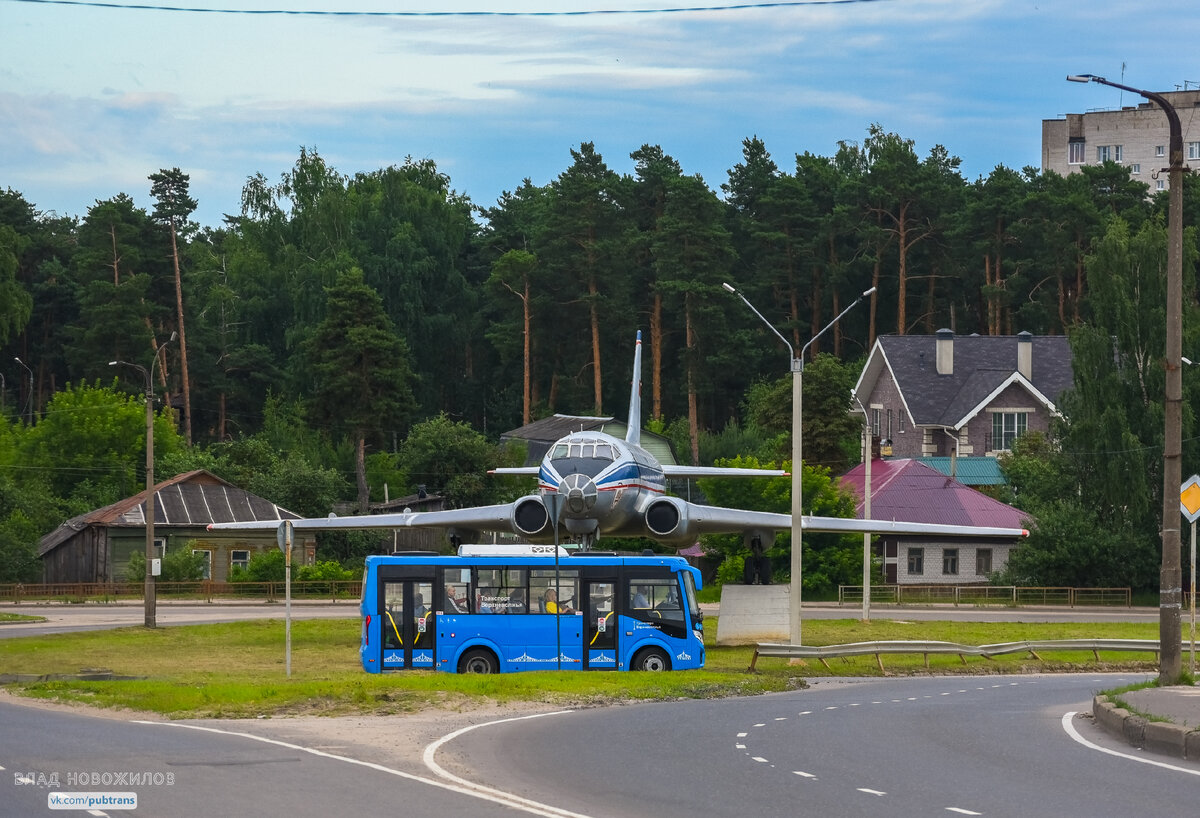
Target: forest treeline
356	307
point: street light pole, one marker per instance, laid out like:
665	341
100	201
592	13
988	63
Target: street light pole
797	365
151	600
1170	593
29	394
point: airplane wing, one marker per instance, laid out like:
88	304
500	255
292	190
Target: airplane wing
674	519
485	518
719	471
532	471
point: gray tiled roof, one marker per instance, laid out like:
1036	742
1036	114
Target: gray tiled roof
982	363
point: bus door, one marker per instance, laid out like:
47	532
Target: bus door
407	623
600	623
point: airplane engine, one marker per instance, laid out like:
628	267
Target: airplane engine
667	518
529	517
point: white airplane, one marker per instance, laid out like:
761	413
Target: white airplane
593	485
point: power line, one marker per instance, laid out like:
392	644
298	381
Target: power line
326	13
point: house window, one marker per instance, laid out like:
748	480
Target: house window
875	421
207	573
239	558
1135	168
1160	150
1194	150
889	434
916	561
950	561
1160	184
983	561
1007	427
1103	153
1118	153
900	422
1075	153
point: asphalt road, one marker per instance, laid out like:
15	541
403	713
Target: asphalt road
183	772
994	746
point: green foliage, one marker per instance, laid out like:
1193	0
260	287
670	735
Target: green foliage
91	443
264	566
450	458
829	559
178	565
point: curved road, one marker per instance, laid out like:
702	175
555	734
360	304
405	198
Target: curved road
994	746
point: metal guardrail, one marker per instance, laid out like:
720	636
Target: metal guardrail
203	590
1015	595
824	652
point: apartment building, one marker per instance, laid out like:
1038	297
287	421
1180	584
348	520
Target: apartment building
1135	135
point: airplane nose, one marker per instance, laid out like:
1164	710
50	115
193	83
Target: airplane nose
579	492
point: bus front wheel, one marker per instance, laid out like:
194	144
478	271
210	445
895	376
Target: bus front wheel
651	659
478	660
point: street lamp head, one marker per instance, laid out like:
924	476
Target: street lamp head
729	287
868	292
1185	359
1084	78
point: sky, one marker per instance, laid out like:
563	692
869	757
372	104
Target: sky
95	97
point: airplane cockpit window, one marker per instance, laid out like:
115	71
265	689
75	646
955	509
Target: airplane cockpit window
588	457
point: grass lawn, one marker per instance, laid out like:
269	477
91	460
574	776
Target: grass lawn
236	670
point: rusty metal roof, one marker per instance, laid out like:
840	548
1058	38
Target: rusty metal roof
193	499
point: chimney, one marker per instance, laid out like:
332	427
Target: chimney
1025	355
944	353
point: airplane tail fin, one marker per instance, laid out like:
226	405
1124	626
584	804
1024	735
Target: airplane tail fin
634	433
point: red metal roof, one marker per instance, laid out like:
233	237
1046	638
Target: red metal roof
910	491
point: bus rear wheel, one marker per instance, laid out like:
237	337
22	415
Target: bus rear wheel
652	660
478	660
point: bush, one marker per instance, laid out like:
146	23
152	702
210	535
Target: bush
179	565
264	567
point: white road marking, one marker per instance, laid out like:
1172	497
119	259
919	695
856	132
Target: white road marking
742	735
805	712
1074	734
832	707
739	746
803	774
759	759
461	786
871	792
962	811
781	718
761	724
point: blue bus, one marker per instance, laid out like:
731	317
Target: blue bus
500	609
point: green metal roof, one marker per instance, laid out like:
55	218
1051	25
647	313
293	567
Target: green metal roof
970	471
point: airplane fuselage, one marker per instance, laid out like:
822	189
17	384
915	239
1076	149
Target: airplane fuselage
601	478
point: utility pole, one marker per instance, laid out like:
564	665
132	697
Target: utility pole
1170	589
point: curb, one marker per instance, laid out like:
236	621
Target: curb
1155	736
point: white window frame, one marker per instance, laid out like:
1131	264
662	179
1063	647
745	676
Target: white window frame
1008	432
1076	153
208	560
1160	150
235	560
1193	150
1135	168
1160	184
1103	153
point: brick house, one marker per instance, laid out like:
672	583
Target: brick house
943	396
